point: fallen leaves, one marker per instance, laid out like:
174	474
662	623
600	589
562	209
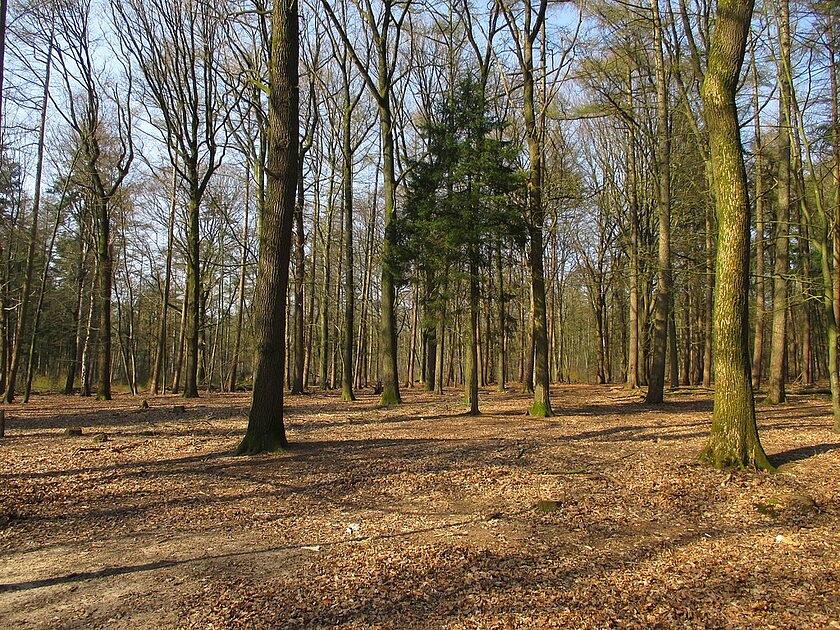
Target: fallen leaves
415	517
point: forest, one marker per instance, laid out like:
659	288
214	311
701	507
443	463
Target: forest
419	313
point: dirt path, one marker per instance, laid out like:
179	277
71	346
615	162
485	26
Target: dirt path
416	517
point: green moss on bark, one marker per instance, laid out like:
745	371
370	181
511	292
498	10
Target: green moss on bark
540	410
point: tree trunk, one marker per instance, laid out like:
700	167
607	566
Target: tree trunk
760	305
265	420
349	297
734	436
633	347
662	302
75	354
106	278
471	377
777	377
158	378
388	320
182	341
23	318
240	312
501	343
194	291
300	278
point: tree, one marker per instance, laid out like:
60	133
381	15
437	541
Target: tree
266	431
525	38
462	199
778	341
385	31
734	437
174	45
106	152
662	304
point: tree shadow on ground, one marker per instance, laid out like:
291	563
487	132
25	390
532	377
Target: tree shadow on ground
802	453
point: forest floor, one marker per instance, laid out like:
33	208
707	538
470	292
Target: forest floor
416	517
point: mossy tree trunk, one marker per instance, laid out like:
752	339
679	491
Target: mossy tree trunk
734	440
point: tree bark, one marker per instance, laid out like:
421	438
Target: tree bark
349	297
266	430
778	376
662	304
760	304
158	377
734	437
240	312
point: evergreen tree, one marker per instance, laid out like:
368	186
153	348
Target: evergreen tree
463	197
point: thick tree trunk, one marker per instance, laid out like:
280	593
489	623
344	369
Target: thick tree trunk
541	406
265	419
734	437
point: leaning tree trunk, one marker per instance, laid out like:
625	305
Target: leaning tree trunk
734	436
266	431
